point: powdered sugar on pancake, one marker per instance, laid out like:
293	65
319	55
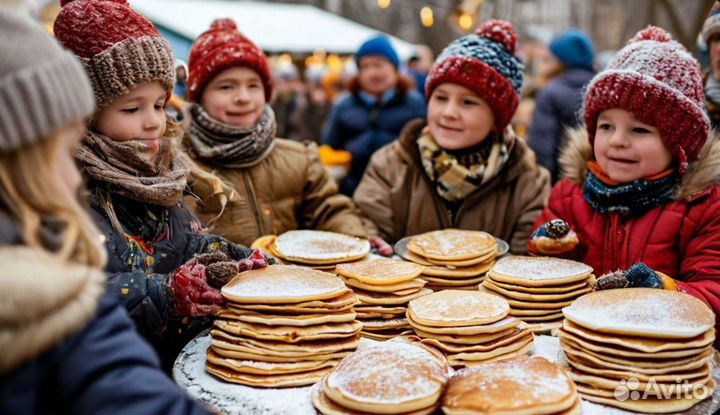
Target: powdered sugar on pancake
643	312
389	373
539	268
282	282
457	306
320	245
453	242
380	269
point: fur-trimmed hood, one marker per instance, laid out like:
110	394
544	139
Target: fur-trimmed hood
701	175
43	302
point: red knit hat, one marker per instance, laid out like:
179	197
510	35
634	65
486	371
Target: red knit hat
118	47
219	48
483	62
656	79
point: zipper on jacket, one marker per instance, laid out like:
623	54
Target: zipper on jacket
253	204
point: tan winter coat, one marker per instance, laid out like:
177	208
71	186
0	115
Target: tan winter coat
288	190
398	196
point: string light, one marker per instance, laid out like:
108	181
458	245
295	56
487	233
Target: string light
465	21
383	4
426	16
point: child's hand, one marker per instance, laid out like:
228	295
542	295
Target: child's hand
639	275
552	238
191	294
382	247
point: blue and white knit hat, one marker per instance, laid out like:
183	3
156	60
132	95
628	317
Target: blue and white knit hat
483	62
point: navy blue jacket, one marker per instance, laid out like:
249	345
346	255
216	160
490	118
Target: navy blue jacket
360	127
557	107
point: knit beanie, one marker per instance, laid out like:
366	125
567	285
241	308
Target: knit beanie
483	62
43	88
712	23
219	48
573	49
656	79
378	46
119	48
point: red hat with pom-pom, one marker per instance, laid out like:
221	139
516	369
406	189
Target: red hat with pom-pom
219	48
656	79
483	62
118	47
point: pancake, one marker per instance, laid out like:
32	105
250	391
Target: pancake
320	247
327	407
522	313
521	296
380	309
416	283
452	244
382	271
555	289
235	354
642	344
460	272
497	351
267	381
267	368
457	308
489	257
548	317
371	298
457	362
645	312
655	406
624	352
289	334
282	284
538	271
385	334
484	347
287	320
525	385
362	315
500	325
450	282
332	305
592	361
471	339
296	349
435	287
516	304
384	324
389	377
626	374
605	384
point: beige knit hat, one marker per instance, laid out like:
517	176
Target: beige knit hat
42	87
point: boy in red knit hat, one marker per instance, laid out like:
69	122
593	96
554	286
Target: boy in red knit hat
281	184
641	179
463	167
137	177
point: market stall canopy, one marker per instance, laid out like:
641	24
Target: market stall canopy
274	27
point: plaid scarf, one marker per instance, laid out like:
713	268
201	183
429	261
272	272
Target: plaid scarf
628	199
223	145
457	174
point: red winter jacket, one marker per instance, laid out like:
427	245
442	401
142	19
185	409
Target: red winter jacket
680	238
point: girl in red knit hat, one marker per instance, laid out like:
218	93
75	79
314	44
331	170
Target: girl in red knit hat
281	184
463	167
640	190
137	177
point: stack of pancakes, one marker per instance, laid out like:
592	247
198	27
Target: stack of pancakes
454	258
641	349
317	249
284	325
384	288
472	328
528	385
393	377
537	288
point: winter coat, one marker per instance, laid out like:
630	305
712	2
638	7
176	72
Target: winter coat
138	277
556	108
288	190
66	348
399	197
680	238
362	128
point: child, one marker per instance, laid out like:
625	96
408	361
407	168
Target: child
66	348
464	167
641	178
281	184
137	177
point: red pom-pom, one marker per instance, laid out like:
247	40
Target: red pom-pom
652	33
499	31
123	2
223	25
